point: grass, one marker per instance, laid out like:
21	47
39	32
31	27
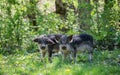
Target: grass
104	63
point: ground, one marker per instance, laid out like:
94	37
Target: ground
104	63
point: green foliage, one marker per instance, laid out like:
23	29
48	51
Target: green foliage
105	26
15	28
104	62
17	31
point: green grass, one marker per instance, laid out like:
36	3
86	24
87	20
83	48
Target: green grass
104	63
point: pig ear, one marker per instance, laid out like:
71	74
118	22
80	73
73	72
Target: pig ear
36	40
57	37
50	42
69	38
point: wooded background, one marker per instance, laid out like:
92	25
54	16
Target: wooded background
22	20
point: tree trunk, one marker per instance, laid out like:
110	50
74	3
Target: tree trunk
32	14
107	21
84	14
61	8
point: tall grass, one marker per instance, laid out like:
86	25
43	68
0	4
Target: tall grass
104	63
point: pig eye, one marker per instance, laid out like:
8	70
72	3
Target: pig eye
50	42
47	42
